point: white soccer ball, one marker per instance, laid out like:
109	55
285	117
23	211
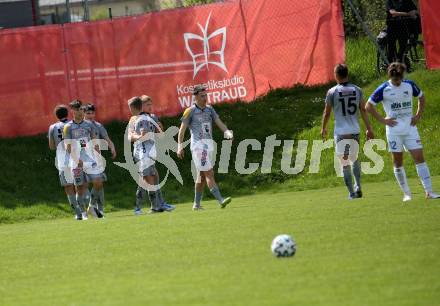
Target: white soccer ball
283	246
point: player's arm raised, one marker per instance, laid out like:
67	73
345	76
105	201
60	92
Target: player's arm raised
325	119
133	136
364	116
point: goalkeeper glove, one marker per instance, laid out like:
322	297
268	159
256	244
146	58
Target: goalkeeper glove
228	134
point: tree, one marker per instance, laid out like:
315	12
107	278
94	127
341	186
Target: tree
187	3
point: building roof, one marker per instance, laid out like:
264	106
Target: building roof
57	2
63	2
6	1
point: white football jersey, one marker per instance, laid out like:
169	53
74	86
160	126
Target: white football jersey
345	100
56	134
398	104
146	148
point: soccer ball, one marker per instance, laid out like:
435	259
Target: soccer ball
283	246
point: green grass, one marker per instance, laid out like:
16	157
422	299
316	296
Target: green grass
429	129
372	251
31	178
29	182
361	59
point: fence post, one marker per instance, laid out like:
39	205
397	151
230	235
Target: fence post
86	11
66	62
68	11
251	66
367	31
118	80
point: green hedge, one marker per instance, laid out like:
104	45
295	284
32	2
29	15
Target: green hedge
372	11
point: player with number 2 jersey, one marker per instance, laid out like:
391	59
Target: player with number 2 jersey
396	96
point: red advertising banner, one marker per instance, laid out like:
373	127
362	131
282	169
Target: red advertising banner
429	10
239	50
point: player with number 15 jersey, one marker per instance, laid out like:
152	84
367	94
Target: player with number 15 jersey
346	101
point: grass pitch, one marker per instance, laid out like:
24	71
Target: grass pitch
29	186
372	251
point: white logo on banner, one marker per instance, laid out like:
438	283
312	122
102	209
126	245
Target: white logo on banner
216	57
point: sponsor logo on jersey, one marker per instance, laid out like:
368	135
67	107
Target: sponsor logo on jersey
396	105
406	104
79	133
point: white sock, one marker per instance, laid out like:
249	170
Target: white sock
400	175
425	176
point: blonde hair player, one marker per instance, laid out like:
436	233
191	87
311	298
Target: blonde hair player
147	109
140	126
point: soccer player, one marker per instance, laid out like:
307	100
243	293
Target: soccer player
141	133
346	100
147	108
96	204
80	132
396	96
198	118
55	136
100	131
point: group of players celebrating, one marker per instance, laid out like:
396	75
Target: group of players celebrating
396	96
345	100
78	153
76	174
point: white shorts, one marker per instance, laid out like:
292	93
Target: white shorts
202	158
408	142
146	166
65	177
80	177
